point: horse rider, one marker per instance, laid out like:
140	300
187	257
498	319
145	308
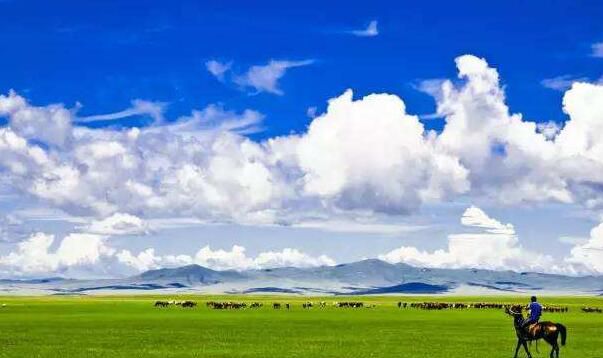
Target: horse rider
535	312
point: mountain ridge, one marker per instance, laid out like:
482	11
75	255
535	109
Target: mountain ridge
371	276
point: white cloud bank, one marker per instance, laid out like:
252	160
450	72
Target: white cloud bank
33	256
495	246
233	259
362	155
91	255
489	244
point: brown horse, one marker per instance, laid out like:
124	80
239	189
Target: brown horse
548	331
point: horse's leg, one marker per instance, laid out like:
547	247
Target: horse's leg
525	346
552	340
517	348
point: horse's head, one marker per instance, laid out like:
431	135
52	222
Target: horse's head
516	313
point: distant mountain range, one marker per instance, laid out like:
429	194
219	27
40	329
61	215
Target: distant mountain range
357	278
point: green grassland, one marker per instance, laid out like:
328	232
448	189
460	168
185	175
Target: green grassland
119	326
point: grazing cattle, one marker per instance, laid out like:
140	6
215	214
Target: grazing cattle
349	304
255	305
189	304
162	303
307	305
276	306
226	305
477	305
287	306
591	310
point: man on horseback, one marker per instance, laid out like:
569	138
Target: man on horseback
535	312
530	329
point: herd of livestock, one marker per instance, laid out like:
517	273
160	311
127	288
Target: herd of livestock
478	305
230	305
184	304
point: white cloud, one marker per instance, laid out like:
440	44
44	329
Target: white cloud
264	78
597	49
364	154
139	108
215	119
359	154
549	129
589	255
496	247
218	69
370	31
119	224
562	83
91	253
355	226
193	166
290	258
34	256
234	259
51	125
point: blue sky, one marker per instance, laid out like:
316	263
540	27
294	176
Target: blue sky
110	64
104	54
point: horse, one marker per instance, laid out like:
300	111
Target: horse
548	331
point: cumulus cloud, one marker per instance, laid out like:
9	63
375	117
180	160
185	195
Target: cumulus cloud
589	255
264	78
549	129
234	259
370	153
34	255
370	31
51	125
361	155
495	247
78	252
195	166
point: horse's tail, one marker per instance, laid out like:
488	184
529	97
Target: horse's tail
563	332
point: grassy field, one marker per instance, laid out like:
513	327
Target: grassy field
120	326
